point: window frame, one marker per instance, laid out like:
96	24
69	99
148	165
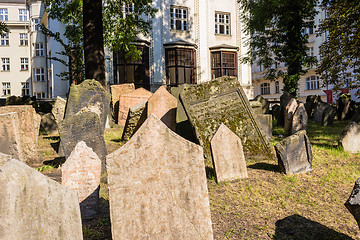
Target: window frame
24	39
312	83
5	39
265	88
277	87
4	14
222	68
181	16
23	15
40	95
40	74
38	49
5	64
225	23
36	22
24	64
6	89
25	89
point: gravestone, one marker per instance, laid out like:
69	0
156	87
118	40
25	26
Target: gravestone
228	156
35	207
48	123
328	116
289	113
85	127
356	117
89	96
256	107
82	172
29	123
222	100
265	121
353	203
350	138
163	105
116	91
344	106
58	109
131	99
264	104
276	112
310	105
294	153
299	119
284	100
136	117
10	136
318	112
158	187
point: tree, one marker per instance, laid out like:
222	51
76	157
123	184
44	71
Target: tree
3	28
340	52
276	30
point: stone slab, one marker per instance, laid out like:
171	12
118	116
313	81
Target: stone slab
158	187
223	101
350	138
131	99
163	105
353	203
136	117
328	116
265	121
284	100
36	207
228	155
299	119
85	127
58	109
318	112
48	123
116	91
82	172
289	113
10	136
264	104
294	153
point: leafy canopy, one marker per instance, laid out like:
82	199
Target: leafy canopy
3	28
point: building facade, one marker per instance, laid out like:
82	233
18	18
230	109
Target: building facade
26	69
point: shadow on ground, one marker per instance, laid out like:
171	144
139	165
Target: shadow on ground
296	227
265	166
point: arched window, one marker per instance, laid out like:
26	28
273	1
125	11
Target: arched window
312	83
265	88
277	87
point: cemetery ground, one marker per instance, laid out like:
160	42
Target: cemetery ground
268	204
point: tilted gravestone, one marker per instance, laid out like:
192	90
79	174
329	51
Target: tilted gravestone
29	123
318	112
36	207
10	136
89	96
264	104
158	187
288	117
58	109
353	203
116	91
299	119
48	123
131	99
85	127
163	105
294	153
328	116
81	172
223	101
228	155
350	138
136	117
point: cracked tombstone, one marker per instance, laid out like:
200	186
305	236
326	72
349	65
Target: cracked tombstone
116	91
81	172
228	156
36	207
158	187
353	203
294	153
350	138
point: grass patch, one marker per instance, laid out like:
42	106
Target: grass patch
44	168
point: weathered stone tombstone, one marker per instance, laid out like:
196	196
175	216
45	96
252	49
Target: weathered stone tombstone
228	156
328	116
299	119
131	99
353	203
343	106
82	172
288	117
264	104
294	153
222	100
36	207
29	123
116	91
10	136
310	105
48	123
163	105
58	109
276	112
85	127
266	124
284	100
136	117
256	107
158	187
350	138
318	112
89	96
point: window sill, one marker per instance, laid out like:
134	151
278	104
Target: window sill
222	35
23	45
5	70
24	70
38	56
179	31
5	45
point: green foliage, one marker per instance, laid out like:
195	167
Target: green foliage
341	49
276	28
3	28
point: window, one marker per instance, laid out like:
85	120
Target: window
36	24
178	18
222	23
25	89
39	49
180	66
5	64
128	9
312	83
5	39
223	64
24	66
39	75
22	15
23	39
3	14
277	87
347	81
265	88
310	51
132	71
6	89
40	95
311	30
